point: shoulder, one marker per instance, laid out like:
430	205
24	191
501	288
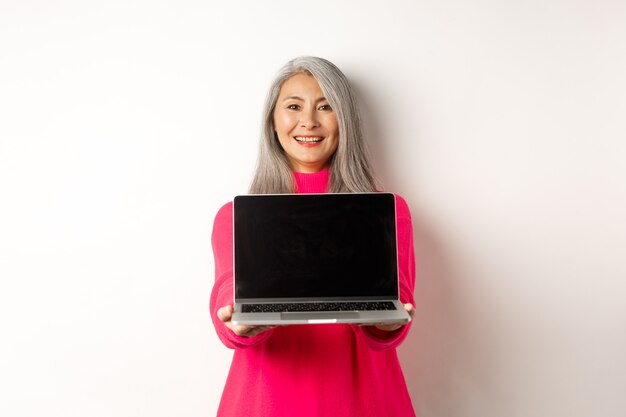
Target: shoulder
223	219
225	212
402	208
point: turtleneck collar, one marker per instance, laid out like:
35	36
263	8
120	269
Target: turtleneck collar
316	182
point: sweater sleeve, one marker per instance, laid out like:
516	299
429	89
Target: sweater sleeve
222	294
379	339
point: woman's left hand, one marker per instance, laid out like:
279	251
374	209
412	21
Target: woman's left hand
390	327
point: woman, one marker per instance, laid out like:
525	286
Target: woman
311	143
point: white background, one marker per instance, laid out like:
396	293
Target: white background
125	125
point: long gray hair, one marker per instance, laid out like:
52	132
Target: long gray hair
350	169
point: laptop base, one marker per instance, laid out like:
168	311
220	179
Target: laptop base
399	315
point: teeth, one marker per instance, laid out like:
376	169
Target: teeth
308	139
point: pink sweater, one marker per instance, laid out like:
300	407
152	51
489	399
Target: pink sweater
333	370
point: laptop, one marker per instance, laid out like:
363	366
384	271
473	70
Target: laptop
316	258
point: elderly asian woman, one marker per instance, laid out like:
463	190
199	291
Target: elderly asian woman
312	142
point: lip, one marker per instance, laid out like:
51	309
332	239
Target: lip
308	140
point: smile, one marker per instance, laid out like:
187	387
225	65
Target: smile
309	139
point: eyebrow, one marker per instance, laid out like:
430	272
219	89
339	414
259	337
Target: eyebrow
301	99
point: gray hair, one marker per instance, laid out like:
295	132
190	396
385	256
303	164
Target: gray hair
350	169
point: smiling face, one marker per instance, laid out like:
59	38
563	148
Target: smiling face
306	126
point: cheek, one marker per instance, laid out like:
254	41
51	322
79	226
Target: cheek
282	123
332	125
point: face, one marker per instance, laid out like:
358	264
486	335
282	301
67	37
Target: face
306	126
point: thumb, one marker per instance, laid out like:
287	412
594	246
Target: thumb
225	313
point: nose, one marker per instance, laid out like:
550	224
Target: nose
309	119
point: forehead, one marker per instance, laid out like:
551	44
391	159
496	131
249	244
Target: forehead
301	84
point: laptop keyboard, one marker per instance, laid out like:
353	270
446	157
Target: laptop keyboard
304	307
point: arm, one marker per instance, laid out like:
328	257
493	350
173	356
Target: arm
381	339
222	293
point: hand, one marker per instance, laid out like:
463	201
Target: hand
390	327
226	313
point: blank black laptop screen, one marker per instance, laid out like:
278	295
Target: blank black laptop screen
315	245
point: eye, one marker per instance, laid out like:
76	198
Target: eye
293	107
325	107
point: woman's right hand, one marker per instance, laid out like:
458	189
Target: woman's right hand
225	314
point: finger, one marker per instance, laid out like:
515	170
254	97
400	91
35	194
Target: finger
388	327
249	331
410	309
241	330
258	329
225	313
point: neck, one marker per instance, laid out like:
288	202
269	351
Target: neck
312	182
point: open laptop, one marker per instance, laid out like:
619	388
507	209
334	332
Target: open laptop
316	258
